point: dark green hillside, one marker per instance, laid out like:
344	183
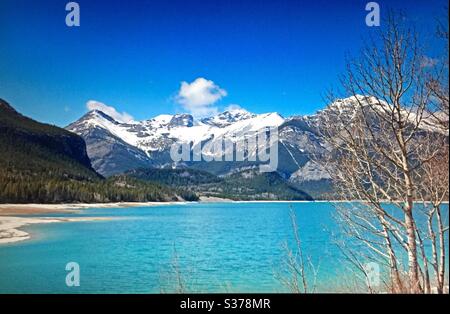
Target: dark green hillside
40	163
35	149
174	177
319	190
253	185
245	185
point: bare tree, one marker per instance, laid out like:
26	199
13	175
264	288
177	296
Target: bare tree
434	191
383	141
299	274
176	279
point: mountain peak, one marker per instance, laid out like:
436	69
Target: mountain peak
228	117
98	114
93	117
352	102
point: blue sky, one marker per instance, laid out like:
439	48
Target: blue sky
134	55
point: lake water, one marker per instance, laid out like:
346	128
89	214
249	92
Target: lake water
216	247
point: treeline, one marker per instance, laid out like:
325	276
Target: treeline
245	185
185	178
20	188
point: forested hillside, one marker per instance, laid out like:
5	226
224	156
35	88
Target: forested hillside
245	185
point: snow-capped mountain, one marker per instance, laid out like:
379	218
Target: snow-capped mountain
346	109
154	134
148	142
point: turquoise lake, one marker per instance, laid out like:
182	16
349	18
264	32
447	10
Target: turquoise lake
217	247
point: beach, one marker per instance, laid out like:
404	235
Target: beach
10	226
12	220
33	209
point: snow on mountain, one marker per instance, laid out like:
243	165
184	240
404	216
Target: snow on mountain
228	117
98	119
347	108
160	120
155	136
179	127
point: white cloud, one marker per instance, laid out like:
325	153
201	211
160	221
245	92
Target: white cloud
110	111
198	96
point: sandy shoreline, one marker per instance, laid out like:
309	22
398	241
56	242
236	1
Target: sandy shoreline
30	209
10	226
11	220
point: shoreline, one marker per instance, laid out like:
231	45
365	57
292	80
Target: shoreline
10	227
30	209
12	218
33	208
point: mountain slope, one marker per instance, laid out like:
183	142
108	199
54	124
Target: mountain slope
253	185
174	177
29	146
109	154
245	185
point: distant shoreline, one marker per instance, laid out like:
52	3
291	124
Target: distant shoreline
31	209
